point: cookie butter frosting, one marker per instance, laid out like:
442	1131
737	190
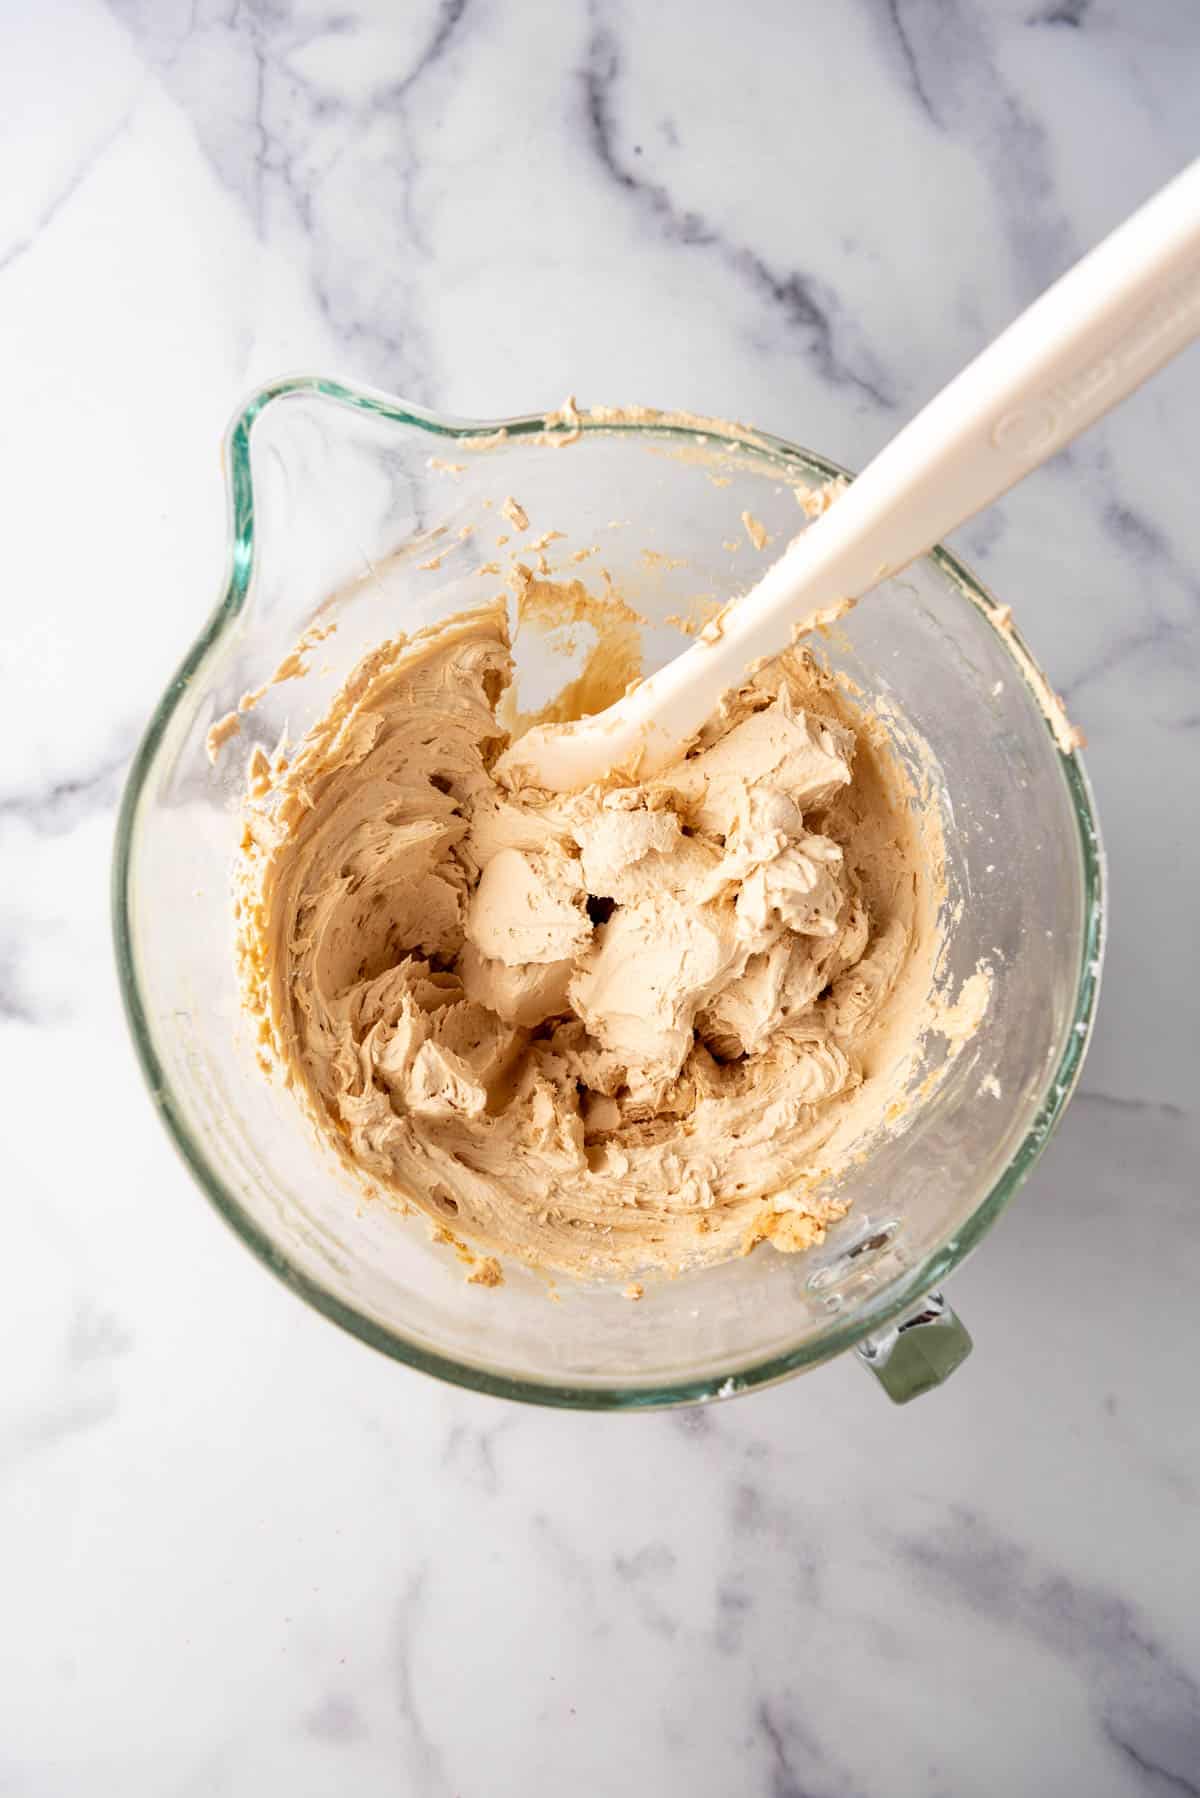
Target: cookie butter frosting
632	1027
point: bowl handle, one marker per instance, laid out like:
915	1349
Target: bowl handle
917	1350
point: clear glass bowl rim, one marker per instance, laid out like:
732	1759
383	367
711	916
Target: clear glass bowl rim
842	1335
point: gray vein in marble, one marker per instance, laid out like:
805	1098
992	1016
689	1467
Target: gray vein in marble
570	1569
1156	632
263	136
83	1393
95	1335
447	20
259	127
16	1005
449	16
69	188
1165	593
1155	1107
335	1719
784	1783
943	53
55	1422
697	1421
645	1573
427	1756
62	804
788	1743
916	83
754	1516
1062	12
470	1453
1149	545
735	1605
1164	1779
804	305
1147	1704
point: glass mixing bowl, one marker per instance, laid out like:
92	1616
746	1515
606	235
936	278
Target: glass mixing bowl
349	507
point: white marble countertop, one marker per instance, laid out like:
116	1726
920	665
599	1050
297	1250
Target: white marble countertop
239	1553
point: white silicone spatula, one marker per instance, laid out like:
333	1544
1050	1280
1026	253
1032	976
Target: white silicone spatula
1089	341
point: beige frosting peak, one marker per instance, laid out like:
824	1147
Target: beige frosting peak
772	754
529	906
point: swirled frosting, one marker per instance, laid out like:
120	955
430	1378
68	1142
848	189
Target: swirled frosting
603	1032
